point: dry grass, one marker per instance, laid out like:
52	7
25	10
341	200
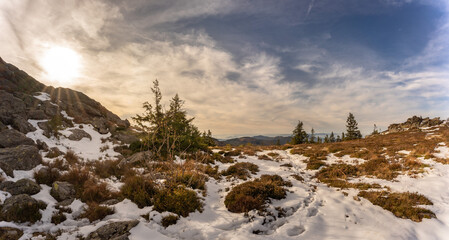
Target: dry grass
96	212
241	170
402	205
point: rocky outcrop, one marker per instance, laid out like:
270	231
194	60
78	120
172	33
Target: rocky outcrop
37	114
23	186
22	157
62	191
414	122
13	138
78	134
21	208
136	158
116	231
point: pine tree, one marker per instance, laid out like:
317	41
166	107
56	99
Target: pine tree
312	136
343	136
332	137
326	139
299	135
375	131
338	139
352	130
318	140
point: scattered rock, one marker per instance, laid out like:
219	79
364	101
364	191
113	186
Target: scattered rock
54	152
110	202
21	208
42	145
100	124
62	191
37	114
22	157
22	125
10	107
78	134
125	138
23	186
414	122
116	231
13	138
9	233
139	157
7	169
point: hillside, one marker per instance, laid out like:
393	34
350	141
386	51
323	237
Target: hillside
70	170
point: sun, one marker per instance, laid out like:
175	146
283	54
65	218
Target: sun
61	65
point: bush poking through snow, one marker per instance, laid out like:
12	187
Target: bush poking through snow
402	205
58	218
253	195
95	192
96	212
76	176
169	220
177	200
241	170
139	190
71	157
46	176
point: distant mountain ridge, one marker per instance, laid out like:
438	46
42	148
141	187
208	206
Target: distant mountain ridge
260	140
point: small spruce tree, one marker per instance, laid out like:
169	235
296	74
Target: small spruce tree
312	136
299	135
352	129
332	137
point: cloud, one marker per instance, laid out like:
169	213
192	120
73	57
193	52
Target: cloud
125	46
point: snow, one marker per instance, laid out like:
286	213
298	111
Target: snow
43	96
442	151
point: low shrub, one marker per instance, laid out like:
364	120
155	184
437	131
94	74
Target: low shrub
402	205
241	170
96	212
58	218
191	179
78	177
289	165
139	190
109	168
96	192
297	177
253	195
47	177
169	220
71	157
177	200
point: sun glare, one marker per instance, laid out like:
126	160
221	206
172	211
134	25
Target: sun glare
61	65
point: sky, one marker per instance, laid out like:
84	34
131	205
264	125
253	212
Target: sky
243	67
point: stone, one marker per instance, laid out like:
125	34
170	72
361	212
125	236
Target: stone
23	186
78	134
13	138
54	152
10	107
9	233
22	125
62	191
139	157
37	114
100	124
113	231
110	202
7	169
22	157
42	145
21	208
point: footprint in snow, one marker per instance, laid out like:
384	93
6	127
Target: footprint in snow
295	231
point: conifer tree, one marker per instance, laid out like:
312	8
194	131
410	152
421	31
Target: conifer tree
338	138
326	139
332	137
352	129
312	136
343	136
299	135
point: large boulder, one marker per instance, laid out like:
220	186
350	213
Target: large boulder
100	124
62	191
22	125
78	134
414	122
37	114
23	186
22	157
136	158
21	208
10	108
13	138
113	231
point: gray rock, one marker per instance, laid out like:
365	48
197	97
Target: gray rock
41	145
22	157
113	231
23	186
10	107
110	202
7	169
9	233
13	138
100	124
21	208
62	191
54	152
140	157
78	134
125	138
22	125
37	114
2	126
50	109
